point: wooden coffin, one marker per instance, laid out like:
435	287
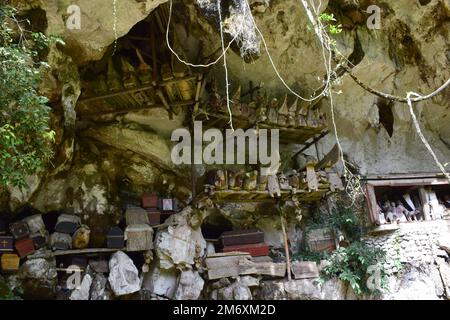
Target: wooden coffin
255	250
223	265
67	223
35	223
60	241
115	238
66	227
154	216
40	239
139	237
19	230
305	269
136	215
320	240
149	200
6	244
167	205
10	262
240	237
24	247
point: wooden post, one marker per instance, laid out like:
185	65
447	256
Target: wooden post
286	245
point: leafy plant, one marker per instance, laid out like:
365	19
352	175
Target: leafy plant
25	135
352	264
329	19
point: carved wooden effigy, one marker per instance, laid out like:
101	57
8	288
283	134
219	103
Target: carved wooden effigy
297	122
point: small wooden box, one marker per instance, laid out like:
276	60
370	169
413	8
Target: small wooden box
139	237
10	262
19	230
35	223
255	250
40	239
149	200
24	247
115	238
60	241
241	237
66	227
154	216
136	216
167	205
6	244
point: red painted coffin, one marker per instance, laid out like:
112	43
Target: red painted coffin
255	250
149	200
25	247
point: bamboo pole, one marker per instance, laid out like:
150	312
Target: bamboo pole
286	245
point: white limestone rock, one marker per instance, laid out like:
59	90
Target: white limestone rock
123	275
190	286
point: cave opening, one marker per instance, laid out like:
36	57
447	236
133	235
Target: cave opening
386	116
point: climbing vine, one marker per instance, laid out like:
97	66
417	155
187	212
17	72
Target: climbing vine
25	135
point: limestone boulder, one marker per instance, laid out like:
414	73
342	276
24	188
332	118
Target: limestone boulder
38	278
123	275
190	285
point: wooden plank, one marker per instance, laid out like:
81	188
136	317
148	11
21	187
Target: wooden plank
235	265
305	269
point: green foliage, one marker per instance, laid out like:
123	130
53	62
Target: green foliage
25	136
351	264
329	19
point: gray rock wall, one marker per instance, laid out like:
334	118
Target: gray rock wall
415	263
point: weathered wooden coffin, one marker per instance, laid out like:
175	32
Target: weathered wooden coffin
139	237
255	250
19	230
241	237
154	216
35	223
70	218
66	227
67	223
149	200
115	238
60	241
24	247
40	239
305	269
6	244
223	265
10	262
136	215
320	240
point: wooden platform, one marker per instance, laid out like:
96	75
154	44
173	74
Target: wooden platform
223	196
297	135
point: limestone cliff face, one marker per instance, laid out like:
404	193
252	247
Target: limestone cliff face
409	53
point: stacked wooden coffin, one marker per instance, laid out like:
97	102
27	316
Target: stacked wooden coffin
250	241
139	233
158	208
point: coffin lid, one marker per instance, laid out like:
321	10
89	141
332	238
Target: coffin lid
115	231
